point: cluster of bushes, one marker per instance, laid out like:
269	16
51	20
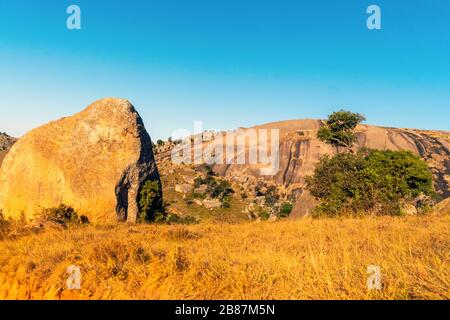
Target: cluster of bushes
374	181
63	215
215	188
282	210
369	181
272	202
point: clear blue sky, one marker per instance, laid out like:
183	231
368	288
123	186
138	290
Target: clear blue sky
228	63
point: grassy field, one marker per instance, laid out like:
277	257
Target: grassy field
307	259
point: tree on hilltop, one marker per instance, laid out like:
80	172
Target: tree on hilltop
338	129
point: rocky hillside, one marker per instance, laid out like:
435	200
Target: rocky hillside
300	150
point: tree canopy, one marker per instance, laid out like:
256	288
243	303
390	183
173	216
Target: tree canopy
338	129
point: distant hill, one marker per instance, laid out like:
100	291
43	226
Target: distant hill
300	150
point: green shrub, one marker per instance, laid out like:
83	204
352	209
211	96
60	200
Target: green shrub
371	180
151	207
219	189
63	215
285	209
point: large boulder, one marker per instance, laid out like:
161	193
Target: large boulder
94	161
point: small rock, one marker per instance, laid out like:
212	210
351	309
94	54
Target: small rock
183	188
198	202
211	203
189	180
201	189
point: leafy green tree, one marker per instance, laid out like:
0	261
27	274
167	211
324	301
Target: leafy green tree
338	129
370	180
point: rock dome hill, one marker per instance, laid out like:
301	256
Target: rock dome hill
300	150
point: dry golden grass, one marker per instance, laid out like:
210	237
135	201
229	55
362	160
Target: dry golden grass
307	259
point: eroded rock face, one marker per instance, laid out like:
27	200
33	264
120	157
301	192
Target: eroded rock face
94	161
